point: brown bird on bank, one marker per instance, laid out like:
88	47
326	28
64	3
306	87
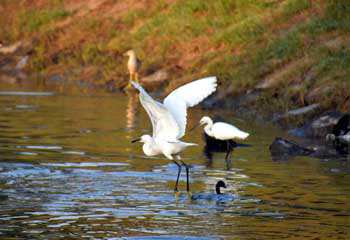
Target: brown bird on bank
134	65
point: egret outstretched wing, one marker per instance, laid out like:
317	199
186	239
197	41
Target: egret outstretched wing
163	123
186	96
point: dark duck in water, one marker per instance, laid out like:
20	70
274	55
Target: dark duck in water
218	196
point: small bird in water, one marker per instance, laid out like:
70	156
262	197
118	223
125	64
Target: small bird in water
169	120
219	196
340	136
134	65
224	132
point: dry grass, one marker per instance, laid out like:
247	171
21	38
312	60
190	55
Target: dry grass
242	42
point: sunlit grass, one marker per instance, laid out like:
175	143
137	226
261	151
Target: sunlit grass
245	41
33	20
244	31
292	7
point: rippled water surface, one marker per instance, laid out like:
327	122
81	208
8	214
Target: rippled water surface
69	171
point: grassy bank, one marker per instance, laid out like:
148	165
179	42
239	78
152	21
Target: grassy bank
296	52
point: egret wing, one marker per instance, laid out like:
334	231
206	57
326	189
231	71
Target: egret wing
186	96
224	131
163	123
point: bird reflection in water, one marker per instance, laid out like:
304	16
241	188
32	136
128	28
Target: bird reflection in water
131	111
213	145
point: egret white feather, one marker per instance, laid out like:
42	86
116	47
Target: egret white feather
224	131
163	123
186	96
221	130
169	119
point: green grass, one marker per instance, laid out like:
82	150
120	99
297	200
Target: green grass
196	17
339	11
285	47
292	7
336	63
33	20
39	61
244	31
248	41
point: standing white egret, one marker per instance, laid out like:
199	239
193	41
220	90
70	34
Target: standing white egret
224	132
169	120
134	65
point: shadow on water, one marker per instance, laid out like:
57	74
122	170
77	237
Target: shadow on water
68	170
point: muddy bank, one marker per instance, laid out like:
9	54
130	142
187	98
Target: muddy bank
288	54
286	61
312	121
326	137
313	131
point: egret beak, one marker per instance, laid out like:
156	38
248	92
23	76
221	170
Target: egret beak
194	127
135	140
197	125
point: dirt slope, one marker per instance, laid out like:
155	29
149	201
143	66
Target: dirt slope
293	52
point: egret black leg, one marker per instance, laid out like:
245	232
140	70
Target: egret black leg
208	155
228	155
187	176
178	175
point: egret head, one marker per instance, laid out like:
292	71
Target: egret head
130	53
219	185
144	139
205	120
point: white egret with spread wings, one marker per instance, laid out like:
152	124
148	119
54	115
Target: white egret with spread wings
169	120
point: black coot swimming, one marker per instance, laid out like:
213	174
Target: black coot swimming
218	196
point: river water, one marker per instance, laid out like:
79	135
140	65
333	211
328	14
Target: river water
69	171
